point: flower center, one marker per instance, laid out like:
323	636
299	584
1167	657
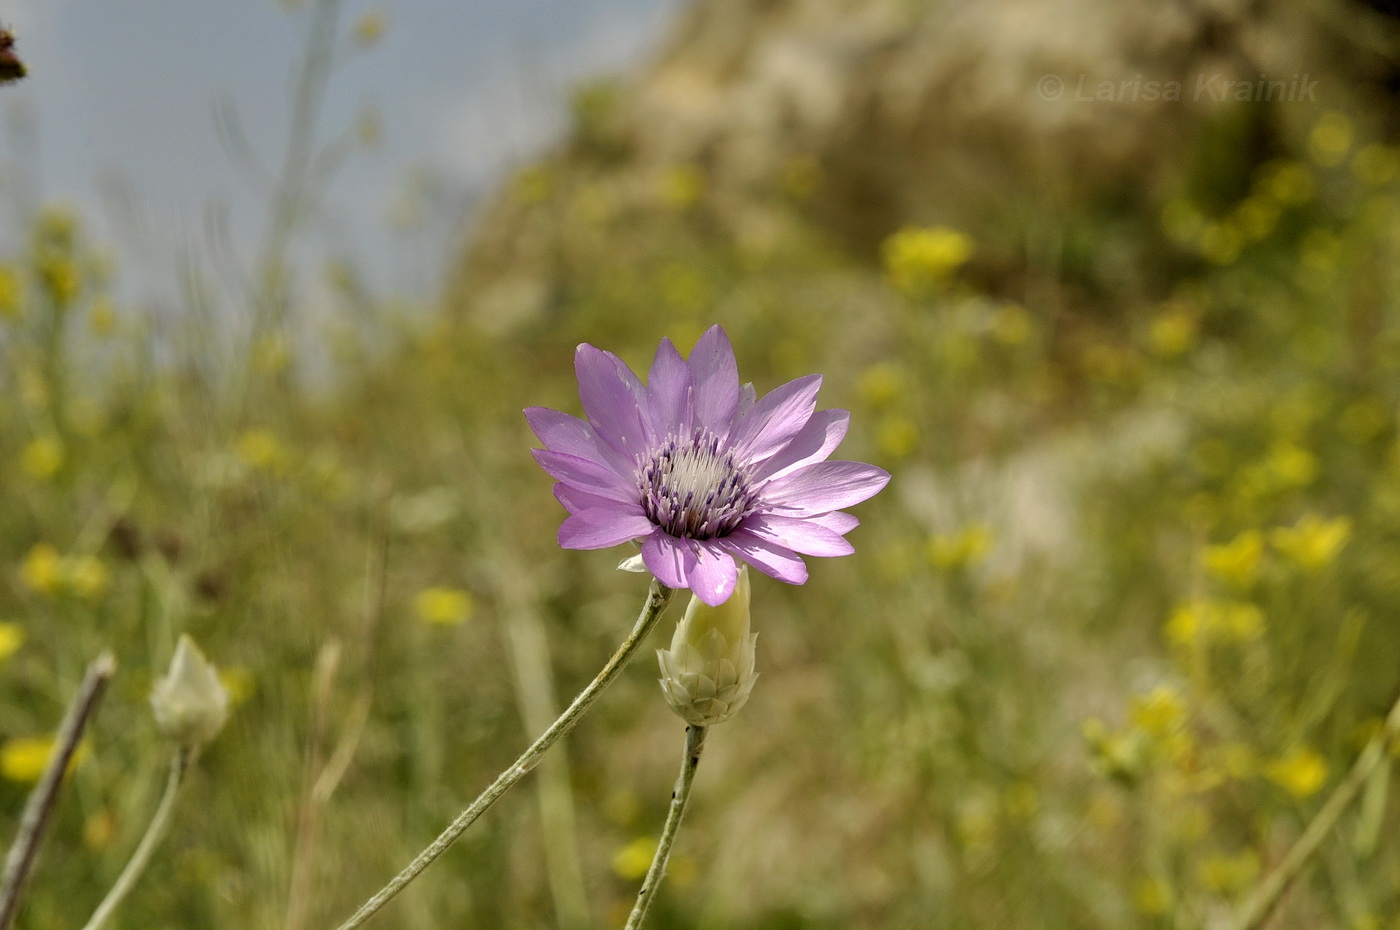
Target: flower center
691	487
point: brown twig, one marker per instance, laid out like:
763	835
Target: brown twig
39	808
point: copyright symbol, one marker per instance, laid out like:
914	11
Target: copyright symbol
1050	87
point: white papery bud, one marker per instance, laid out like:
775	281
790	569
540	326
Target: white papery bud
707	673
190	702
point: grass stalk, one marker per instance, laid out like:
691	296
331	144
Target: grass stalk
155	832
694	745
658	596
1266	897
38	810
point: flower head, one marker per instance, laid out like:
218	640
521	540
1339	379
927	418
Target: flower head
190	703
707	673
701	470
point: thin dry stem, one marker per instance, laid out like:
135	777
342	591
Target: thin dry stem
39	808
657	598
694	745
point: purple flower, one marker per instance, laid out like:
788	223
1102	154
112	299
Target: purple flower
701	470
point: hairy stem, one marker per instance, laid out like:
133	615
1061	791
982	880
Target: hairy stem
154	833
657	598
39	807
1266	896
694	745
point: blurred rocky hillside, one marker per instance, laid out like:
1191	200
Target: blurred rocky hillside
1051	131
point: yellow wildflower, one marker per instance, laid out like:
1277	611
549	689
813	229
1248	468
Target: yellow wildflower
370	27
260	449
1291	465
445	606
1301	773
1220	243
1172	332
43	457
1287	183
85	576
961	549
11	293
632	861
1256	217
919	261
1312	543
1204	620
1228	873
102	316
24	758
11	638
59	275
881	384
1236	562
239	682
1159	712
42	569
1330	139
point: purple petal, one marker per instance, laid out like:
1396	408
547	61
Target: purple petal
561	432
769	558
585	474
615	401
823	487
716	378
598	529
801	536
670	387
668	558
817	440
713	576
837	522
777	419
576	501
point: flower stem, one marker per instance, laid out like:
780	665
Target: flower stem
694	745
179	763
658	596
40	805
1266	896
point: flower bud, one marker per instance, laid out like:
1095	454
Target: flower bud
190	702
707	673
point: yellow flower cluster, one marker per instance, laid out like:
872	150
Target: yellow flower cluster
47	572
961	549
1206	620
443	606
1237	562
1301	773
24	758
42	457
920	261
1312	543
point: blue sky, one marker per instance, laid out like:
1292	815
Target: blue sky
122	93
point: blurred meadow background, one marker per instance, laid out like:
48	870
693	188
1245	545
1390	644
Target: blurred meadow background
1119	626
